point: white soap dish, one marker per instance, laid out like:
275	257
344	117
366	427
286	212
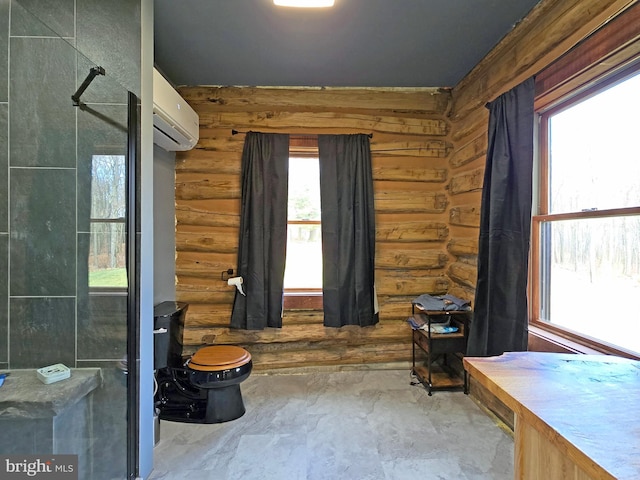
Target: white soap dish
53	373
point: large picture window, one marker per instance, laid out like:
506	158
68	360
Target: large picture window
586	233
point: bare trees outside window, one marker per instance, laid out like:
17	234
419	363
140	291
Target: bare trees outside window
588	229
107	255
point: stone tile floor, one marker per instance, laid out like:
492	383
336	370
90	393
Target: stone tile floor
358	425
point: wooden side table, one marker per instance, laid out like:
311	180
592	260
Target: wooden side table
439	376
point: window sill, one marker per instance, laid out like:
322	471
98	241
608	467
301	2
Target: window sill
108	291
547	338
303	300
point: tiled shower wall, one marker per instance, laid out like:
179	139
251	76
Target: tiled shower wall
46	312
46	315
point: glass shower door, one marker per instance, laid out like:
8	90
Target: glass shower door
107	273
70	254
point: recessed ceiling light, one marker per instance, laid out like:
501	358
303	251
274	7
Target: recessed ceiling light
304	3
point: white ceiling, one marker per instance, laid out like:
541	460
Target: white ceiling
363	43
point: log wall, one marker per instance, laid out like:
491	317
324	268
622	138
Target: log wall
429	151
410	150
549	31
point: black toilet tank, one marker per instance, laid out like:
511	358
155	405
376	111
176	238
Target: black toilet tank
168	318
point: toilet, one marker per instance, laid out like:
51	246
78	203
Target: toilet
203	388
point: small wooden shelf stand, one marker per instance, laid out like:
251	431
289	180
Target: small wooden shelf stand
438	375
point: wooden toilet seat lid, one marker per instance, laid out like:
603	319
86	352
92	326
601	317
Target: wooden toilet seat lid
219	357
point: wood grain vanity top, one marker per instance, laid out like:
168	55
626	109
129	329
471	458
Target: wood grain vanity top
585	405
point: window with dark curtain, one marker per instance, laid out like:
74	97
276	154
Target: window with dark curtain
500	309
348	230
263	231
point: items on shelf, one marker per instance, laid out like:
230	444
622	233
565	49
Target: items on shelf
419	323
448	303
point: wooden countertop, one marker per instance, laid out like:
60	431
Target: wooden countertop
585	405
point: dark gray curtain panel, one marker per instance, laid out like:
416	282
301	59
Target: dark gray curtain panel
500	309
263	231
348	230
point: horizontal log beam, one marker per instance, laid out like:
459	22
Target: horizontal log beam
340	355
198	238
219	141
212	322
436	175
469	181
469	152
464	274
315	336
395	308
391	255
208	315
203	161
384	168
322	122
196	186
384	145
347	335
410	201
472	125
302	317
410	282
243	99
193	295
463	246
212	212
466	216
203	290
411	148
219	314
411	231
207	265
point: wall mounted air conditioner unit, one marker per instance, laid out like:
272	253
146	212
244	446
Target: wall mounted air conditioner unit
175	124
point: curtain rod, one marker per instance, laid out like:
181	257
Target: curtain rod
370	135
235	132
395	149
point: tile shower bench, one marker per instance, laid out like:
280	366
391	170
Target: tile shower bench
43	419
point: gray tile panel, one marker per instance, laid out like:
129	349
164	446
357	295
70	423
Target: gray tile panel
38	18
109	421
102	327
43	238
4	166
4	325
40	332
4	48
108	33
42	117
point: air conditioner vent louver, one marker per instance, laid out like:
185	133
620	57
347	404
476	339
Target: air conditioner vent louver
175	123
